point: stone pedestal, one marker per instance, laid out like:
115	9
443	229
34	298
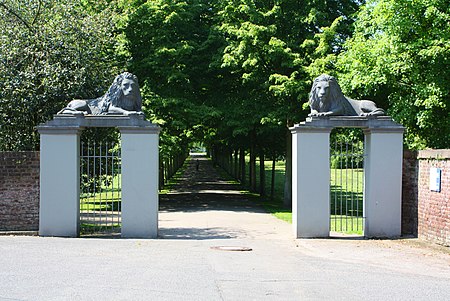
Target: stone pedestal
60	174
59	210
310	182
140	166
382	175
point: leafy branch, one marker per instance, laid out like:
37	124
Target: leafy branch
18	17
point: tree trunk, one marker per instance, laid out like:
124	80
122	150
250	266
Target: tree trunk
236	164
272	183
252	168
166	171
213	155
242	165
170	167
230	162
288	175
161	174
262	175
250	171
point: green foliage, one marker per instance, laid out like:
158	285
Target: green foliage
171	48
265	53
51	52
227	72
399	56
97	172
346	148
231	73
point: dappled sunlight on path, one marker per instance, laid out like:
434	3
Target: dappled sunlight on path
204	205
205	189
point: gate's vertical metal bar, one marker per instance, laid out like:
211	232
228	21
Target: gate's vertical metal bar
359	218
106	184
352	172
346	185
106	188
113	175
335	187
119	171
108	207
81	180
102	212
341	190
357	189
88	177
361	189
111	153
94	215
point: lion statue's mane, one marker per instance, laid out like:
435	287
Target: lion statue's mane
336	103
113	102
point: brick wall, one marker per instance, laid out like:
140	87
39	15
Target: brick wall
19	191
434	207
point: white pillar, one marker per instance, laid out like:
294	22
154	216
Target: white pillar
383	182
140	164
59	211
310	181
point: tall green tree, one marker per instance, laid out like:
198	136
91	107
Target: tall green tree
399	56
271	46
51	52
172	46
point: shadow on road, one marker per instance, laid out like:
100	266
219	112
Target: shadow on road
197	233
203	190
200	189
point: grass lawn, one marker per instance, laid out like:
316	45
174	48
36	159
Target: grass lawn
107	199
96	208
347	224
345	185
177	177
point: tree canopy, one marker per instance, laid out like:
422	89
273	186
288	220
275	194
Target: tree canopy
229	73
51	52
399	55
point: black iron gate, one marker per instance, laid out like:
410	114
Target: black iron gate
347	181
100	191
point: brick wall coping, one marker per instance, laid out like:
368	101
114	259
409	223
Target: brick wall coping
439	154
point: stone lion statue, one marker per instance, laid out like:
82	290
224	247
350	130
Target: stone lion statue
122	98
326	99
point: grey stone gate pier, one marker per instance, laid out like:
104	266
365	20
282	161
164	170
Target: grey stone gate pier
382	175
59	213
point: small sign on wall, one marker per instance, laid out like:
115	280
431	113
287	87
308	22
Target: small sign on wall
435	179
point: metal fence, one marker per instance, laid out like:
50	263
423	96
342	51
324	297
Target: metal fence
347	181
100	191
